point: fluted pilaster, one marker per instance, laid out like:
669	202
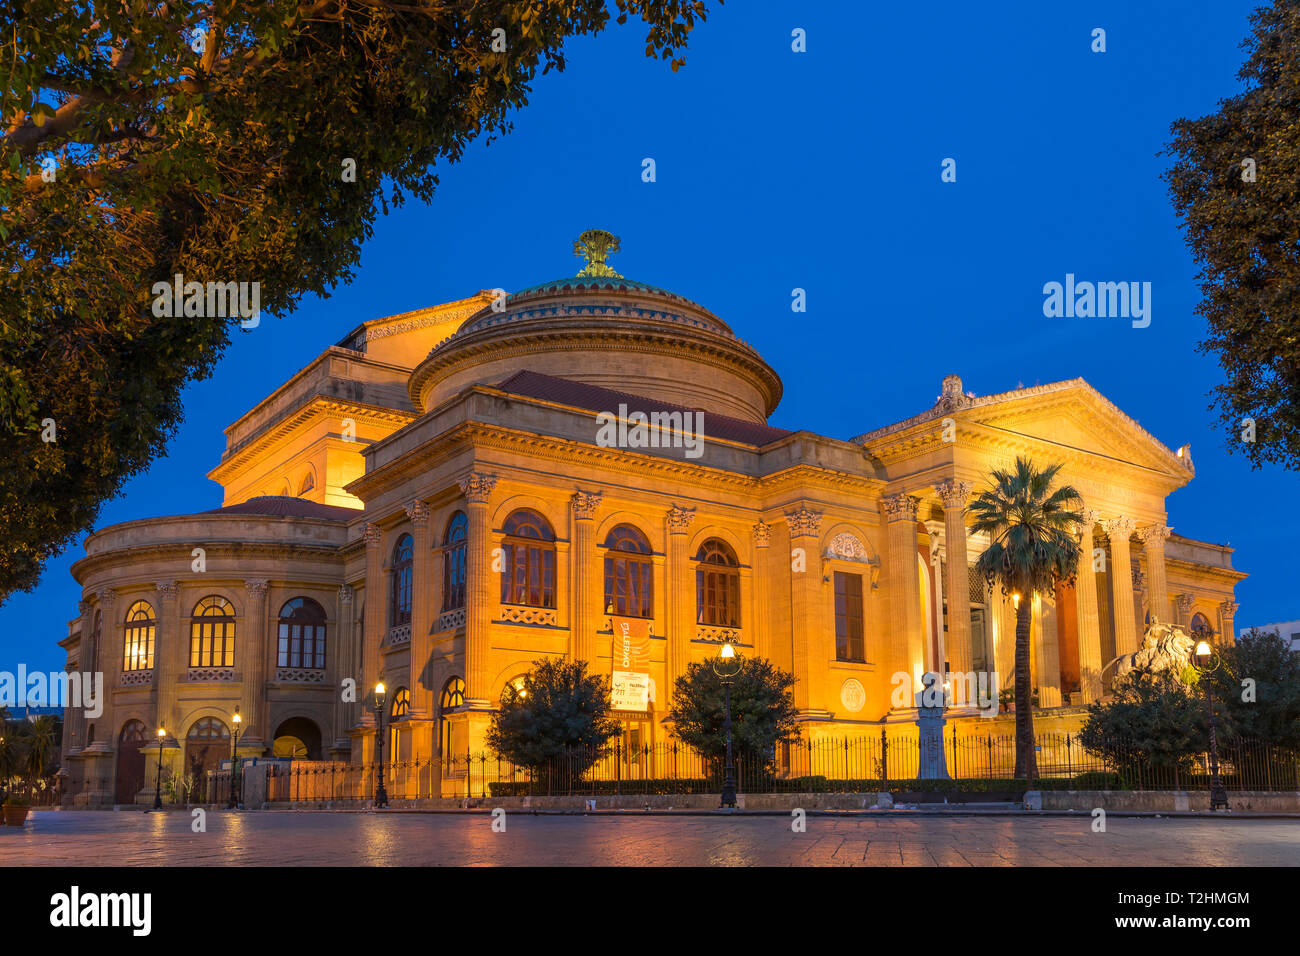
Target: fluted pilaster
1121	578
681	593
1087	615
1153	541
954	494
587	589
480	601
906	628
805	528
256	659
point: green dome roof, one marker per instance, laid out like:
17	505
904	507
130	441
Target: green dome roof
594	282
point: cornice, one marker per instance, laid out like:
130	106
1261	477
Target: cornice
521	340
319	405
84	568
900	441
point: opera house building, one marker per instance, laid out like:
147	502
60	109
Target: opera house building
446	497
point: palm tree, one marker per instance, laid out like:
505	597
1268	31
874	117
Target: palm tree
1032	528
40	747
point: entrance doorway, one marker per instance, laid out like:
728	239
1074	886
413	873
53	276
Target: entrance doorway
130	762
636	747
206	745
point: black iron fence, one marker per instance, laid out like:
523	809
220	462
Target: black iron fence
869	763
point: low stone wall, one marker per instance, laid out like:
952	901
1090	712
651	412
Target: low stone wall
1164	801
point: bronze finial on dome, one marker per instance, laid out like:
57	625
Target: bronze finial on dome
595	245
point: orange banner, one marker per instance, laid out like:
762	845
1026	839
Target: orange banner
630	673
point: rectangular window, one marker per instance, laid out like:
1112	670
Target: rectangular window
849	644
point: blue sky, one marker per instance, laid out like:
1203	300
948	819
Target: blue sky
821	170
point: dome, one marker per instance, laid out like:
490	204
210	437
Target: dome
605	330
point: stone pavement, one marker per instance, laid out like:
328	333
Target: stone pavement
133	838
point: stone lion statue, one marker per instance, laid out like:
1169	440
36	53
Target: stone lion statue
1165	647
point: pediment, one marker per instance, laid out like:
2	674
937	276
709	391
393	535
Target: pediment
1075	415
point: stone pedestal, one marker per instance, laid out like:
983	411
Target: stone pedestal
933	764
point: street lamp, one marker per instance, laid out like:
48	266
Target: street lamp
1206	664
234	758
157	782
726	665
381	795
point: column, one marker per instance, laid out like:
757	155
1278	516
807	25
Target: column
681	595
480	602
1004	653
74	719
1047	673
761	626
419	649
170	657
1153	540
588	591
953	494
376	615
1227	627
805	586
1121	577
256	660
906	629
342	655
1089	620
1185	603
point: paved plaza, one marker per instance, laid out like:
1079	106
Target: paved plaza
132	838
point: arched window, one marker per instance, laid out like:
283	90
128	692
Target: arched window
629	573
302	634
453	696
401	703
529	574
208	728
308	484
212	633
137	654
92	652
400	602
453	562
717	584
1200	628
400	707
90	734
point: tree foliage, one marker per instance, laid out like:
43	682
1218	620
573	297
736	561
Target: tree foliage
1271	713
763	713
1153	719
207	138
1031	528
1233	182
561	713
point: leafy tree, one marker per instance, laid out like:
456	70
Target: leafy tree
1153	721
1031	528
215	139
1233	185
560	714
1273	717
763	713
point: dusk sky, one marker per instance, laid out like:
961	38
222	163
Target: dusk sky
821	170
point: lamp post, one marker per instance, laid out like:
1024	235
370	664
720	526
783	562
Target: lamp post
381	795
234	759
157	781
726	665
1206	664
